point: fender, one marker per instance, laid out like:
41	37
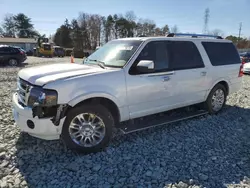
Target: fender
227	80
86	96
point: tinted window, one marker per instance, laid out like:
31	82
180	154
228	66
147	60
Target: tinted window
46	47
221	53
184	55
5	50
170	55
156	52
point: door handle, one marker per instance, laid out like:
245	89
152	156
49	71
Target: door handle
203	73
165	78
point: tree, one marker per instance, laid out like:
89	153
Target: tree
9	26
174	29
76	35
165	29
217	32
23	26
62	35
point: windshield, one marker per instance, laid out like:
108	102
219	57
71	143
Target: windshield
47	47
114	54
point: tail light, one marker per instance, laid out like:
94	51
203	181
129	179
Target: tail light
21	52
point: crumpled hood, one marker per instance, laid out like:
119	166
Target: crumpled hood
41	75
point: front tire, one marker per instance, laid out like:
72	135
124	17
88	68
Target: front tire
88	128
12	62
216	99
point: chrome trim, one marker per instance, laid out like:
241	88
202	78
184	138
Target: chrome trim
161	74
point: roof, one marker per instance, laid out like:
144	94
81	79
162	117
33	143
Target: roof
18	40
175	39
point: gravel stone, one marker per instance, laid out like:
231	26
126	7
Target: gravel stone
208	151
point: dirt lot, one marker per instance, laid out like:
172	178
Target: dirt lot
209	151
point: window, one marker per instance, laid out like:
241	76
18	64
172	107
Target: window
184	55
47	47
5	50
170	55
155	51
221	53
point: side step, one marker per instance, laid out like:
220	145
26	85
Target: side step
157	120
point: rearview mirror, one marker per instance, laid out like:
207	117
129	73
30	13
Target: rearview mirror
145	66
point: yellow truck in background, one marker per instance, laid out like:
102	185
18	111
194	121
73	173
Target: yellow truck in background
44	48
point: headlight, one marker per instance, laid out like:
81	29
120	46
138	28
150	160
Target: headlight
42	97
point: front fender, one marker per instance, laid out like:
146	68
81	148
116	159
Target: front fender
86	96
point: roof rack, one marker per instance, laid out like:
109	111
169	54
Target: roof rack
193	35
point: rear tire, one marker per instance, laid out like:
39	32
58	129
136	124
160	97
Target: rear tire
88	128
216	99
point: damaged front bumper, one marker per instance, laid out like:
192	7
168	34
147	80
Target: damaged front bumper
44	128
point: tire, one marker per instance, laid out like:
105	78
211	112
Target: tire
102	116
13	62
221	93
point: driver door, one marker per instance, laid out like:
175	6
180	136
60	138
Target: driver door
146	92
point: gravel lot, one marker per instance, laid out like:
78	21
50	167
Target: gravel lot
209	151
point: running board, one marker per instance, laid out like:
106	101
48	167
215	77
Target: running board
157	120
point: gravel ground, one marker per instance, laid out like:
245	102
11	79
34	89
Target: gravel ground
209	151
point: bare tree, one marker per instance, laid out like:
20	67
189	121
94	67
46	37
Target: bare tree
217	32
146	27
174	29
130	16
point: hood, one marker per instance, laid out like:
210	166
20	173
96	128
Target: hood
41	75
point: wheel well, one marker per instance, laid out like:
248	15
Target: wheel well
107	103
225	84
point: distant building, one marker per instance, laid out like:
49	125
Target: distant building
25	43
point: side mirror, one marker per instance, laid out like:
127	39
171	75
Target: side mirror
145	66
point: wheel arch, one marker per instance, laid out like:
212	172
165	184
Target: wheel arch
223	82
106	101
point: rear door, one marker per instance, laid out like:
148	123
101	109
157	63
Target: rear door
5	54
188	81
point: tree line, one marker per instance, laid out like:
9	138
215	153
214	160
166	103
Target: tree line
91	30
88	31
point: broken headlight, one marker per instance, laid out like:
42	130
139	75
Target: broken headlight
42	97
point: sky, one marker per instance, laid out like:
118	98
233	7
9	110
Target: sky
188	15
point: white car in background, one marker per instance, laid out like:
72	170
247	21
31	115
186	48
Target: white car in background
246	68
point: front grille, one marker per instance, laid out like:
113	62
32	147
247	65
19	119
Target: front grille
23	91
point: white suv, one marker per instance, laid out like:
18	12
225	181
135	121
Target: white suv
125	80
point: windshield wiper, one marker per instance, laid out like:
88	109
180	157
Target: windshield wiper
100	63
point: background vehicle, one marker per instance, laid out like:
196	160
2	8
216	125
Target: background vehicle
58	51
125	84
44	48
245	56
12	56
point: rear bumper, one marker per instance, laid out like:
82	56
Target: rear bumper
43	128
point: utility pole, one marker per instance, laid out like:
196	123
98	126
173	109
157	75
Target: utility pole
240	31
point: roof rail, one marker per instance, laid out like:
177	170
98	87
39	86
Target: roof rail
193	35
